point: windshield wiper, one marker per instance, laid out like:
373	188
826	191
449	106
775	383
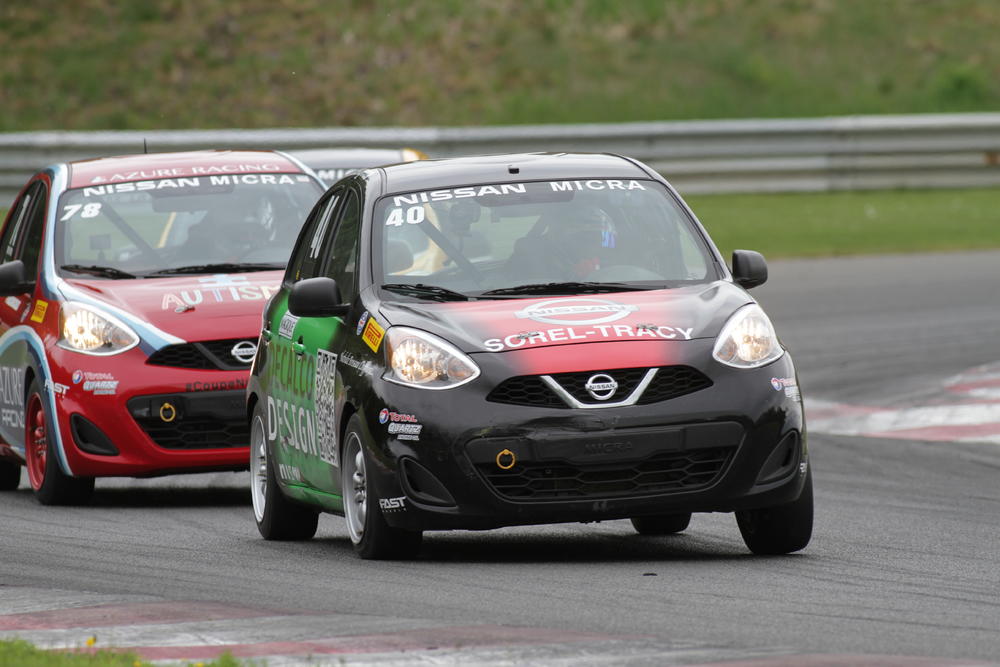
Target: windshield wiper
102	271
429	291
224	267
568	288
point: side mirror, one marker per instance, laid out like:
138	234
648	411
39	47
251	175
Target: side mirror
316	297
749	268
12	279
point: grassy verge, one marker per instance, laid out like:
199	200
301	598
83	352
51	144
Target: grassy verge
18	653
852	223
102	64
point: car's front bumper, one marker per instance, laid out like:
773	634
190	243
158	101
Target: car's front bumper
737	444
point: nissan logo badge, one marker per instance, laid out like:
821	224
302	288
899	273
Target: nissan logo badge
244	351
601	386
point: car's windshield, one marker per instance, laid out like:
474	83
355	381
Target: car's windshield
203	224
540	237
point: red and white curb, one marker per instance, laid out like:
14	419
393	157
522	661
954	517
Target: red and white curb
965	409
186	632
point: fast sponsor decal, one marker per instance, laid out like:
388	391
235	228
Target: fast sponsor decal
397	504
576	311
38	314
12	396
593	333
373	334
57	388
361	322
287	325
224	385
383	416
219	288
326	405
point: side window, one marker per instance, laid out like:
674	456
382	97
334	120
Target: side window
8	243
307	251
31	246
343	252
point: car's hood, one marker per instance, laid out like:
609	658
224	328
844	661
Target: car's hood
679	314
191	308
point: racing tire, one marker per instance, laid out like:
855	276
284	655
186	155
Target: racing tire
10	475
50	484
277	517
665	524
373	538
782	529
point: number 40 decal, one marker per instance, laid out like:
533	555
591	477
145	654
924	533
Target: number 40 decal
91	210
413	216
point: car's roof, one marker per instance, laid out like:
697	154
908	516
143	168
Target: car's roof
354	158
147	166
507	168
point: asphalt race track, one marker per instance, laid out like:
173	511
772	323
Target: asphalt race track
898	361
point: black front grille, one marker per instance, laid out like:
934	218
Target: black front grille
214	354
668	382
673	381
627	378
197	433
526	390
666	472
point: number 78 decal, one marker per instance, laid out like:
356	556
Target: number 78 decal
91	210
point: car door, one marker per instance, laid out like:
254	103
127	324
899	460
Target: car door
288	376
323	338
21	239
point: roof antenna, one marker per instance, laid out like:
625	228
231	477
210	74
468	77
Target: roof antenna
145	149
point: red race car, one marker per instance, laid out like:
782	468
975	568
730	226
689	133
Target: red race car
132	289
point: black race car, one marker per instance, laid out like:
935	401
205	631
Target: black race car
520	339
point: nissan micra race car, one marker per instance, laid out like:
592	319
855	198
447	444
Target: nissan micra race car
520	339
132	289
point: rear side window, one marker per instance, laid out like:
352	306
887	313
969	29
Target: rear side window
17	219
308	253
343	265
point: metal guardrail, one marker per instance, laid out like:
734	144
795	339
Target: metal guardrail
836	153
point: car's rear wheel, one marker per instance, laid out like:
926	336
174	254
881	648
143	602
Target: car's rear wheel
781	529
278	518
51	485
665	524
10	475
372	537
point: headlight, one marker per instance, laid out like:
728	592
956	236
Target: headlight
748	340
420	359
85	329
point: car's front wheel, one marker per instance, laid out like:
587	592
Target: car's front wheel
372	537
51	485
278	518
781	529
10	475
664	524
